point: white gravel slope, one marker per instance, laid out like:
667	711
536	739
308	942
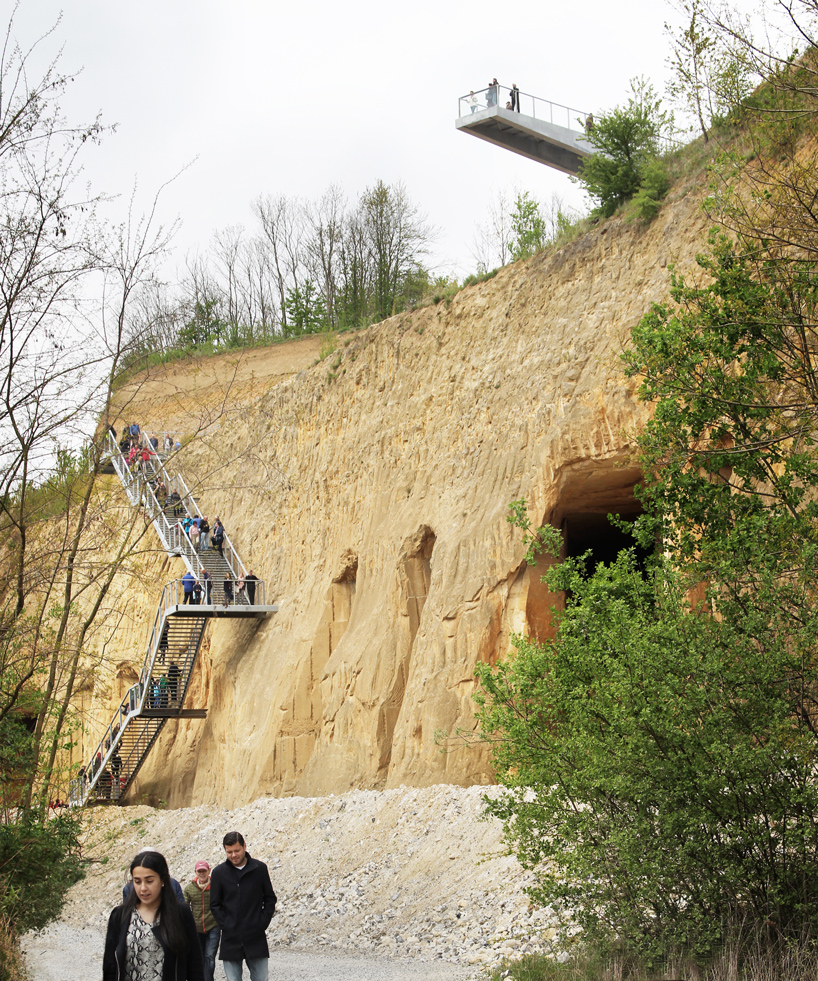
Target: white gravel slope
416	875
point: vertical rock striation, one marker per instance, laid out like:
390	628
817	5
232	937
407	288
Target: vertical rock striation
371	490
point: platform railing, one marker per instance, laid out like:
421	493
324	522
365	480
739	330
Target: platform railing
525	103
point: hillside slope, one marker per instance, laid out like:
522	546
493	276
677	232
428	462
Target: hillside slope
371	490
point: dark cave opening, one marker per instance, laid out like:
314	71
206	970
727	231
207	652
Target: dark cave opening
595	532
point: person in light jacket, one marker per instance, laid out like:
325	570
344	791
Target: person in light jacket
151	935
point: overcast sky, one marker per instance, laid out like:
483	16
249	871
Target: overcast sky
286	98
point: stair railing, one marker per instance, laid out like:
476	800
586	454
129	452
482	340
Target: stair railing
134	700
174	538
231	556
141	494
192	508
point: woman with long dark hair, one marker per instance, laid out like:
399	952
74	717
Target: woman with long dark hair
151	936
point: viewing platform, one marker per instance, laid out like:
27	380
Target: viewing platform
550	133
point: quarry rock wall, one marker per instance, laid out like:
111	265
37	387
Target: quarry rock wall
370	489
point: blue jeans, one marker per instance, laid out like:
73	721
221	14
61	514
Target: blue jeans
257	968
209	942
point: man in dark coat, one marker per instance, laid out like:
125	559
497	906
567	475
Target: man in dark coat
243	902
251	581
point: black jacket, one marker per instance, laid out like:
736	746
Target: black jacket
243	903
113	960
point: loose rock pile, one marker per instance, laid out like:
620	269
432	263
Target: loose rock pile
400	873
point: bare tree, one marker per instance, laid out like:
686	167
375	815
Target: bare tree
284	233
490	245
60	355
325	221
398	235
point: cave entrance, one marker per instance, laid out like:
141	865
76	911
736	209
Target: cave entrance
587	493
593	532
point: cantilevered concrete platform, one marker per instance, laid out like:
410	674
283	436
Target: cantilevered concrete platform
529	130
236	611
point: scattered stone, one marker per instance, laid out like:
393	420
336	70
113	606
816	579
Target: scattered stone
424	878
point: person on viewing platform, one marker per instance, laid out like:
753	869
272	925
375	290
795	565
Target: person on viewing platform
251	581
515	97
240	584
472	102
188	579
228	589
197	592
589	123
493	93
151	935
197	894
207	582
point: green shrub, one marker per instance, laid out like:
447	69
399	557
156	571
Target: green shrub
626	139
479	277
655	185
39	862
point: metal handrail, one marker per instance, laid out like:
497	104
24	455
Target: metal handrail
140	493
175	539
529	105
229	553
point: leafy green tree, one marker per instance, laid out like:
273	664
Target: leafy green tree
528	227
398	236
654	186
204	326
39	862
306	311
626	140
659	755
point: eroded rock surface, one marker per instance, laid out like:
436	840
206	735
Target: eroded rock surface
371	490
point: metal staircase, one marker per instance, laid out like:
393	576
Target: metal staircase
177	633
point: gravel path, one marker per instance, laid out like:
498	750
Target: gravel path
399	884
63	953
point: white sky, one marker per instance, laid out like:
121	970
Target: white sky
286	98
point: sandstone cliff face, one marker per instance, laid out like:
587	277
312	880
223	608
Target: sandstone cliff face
371	491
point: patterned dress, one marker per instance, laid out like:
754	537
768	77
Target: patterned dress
144	956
